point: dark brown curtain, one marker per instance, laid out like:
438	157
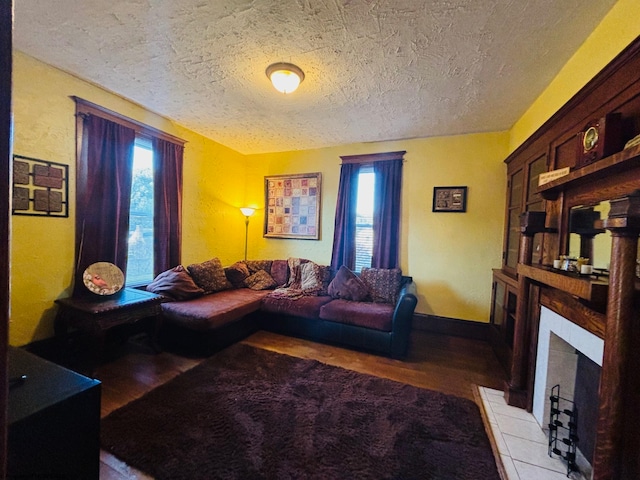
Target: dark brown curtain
103	193
344	235
167	181
386	213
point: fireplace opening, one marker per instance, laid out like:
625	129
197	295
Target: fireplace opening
586	402
569	356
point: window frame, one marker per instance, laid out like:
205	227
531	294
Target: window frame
142	131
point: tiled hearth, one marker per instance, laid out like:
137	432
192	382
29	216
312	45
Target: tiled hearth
520	441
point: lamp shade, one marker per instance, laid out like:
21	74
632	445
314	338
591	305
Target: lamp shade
285	77
247	211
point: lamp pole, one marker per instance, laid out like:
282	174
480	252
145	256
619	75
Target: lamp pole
247	212
246	236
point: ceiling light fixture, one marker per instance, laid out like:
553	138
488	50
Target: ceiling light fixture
285	76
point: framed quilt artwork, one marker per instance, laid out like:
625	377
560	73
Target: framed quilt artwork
293	206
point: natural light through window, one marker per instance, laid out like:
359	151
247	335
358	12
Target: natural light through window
364	218
140	255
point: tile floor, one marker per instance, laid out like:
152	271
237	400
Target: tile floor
520	441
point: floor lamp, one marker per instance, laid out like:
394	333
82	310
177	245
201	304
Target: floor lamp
247	212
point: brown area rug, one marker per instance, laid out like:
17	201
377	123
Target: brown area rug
249	413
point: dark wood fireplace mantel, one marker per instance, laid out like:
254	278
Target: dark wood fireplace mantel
608	307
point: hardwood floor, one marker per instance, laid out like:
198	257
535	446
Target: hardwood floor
448	364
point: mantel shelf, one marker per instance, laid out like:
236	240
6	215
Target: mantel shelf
593	172
584	287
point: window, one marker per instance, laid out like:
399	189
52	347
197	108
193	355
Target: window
364	217
367	222
140	242
128	211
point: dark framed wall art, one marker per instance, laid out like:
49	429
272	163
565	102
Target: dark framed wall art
449	199
293	206
40	187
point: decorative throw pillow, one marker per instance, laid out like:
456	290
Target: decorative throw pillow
209	276
260	280
257	265
237	273
175	283
348	286
383	283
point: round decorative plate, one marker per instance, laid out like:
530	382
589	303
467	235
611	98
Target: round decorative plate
103	278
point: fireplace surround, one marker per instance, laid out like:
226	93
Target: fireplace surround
607	307
560	344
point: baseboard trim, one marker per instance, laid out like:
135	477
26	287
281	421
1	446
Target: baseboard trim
451	326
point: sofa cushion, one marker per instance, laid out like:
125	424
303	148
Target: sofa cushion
237	274
348	286
377	316
214	310
383	283
209	275
260	280
176	284
305	307
256	265
280	272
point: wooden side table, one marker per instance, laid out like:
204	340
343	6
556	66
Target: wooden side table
95	315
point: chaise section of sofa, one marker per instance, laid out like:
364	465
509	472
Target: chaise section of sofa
215	310
205	324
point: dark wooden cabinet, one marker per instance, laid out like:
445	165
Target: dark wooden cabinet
522	196
53	421
503	312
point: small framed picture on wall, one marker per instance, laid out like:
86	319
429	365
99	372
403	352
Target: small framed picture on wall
449	199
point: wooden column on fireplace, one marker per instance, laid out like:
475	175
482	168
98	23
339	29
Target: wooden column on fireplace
617	442
516	392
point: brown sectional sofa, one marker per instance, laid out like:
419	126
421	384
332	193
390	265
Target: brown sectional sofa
205	321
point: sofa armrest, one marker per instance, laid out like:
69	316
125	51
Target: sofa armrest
402	318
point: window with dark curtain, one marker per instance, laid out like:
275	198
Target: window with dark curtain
103	190
386	213
167	183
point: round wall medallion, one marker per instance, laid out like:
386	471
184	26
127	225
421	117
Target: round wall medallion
103	278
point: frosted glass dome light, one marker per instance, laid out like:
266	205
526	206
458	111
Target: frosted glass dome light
285	77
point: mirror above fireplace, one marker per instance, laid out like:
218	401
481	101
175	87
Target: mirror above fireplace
587	241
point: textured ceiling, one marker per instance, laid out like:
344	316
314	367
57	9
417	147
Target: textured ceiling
375	69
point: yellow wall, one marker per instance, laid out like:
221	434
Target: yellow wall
616	31
42	254
449	255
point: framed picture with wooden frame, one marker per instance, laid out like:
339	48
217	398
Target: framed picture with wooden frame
292	206
449	199
40	187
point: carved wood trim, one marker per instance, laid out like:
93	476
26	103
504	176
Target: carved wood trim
569	307
373	157
86	107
